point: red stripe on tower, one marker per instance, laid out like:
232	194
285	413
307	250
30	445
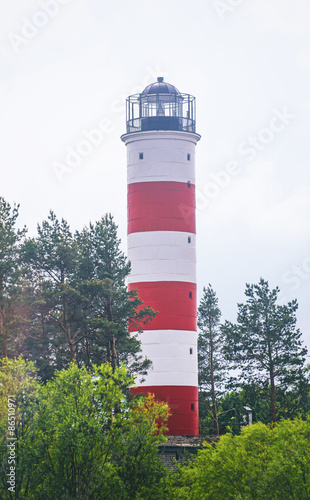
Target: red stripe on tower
181	422
161	206
161	142
175	302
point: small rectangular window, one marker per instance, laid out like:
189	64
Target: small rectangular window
191	350
192	407
189	239
190	295
188	184
188	156
140	156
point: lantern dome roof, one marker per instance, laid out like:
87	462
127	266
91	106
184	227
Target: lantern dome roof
160	87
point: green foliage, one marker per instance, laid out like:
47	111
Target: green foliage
10	273
10	238
263	463
111	309
79	436
211	369
251	395
52	259
76	300
290	404
19	389
265	344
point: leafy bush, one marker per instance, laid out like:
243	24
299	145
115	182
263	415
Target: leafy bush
264	462
79	436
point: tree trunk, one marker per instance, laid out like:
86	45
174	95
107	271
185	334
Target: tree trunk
271	375
214	408
3	335
67	330
71	344
112	345
87	351
272	396
114	354
43	337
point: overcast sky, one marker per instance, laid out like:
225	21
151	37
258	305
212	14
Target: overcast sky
67	67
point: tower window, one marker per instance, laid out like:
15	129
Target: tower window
192	407
189	239
190	295
188	184
191	350
188	156
140	156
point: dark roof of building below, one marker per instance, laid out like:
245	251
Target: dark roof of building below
188	441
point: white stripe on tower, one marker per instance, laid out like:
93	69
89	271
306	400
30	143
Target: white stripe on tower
162	251
162	256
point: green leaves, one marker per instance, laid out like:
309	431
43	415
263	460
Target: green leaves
263	463
76	299
10	273
110	309
210	359
10	237
265	342
79	436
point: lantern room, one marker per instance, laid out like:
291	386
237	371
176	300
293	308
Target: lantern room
160	107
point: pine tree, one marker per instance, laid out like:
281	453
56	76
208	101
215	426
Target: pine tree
265	341
103	269
52	258
10	273
78	306
210	360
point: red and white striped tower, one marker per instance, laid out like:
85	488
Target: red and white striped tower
161	142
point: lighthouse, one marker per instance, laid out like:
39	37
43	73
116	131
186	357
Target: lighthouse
161	138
